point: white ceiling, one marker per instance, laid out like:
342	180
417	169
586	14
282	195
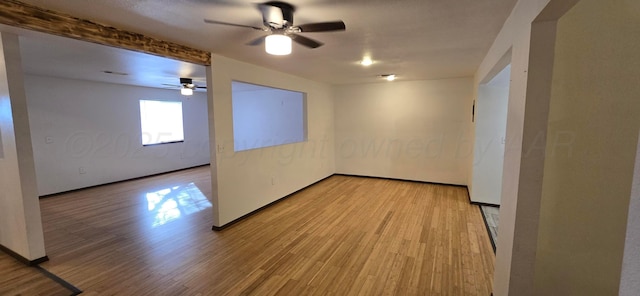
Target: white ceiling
62	57
415	39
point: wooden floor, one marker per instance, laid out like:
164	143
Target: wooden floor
342	236
19	279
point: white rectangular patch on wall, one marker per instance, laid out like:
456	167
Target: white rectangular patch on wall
265	116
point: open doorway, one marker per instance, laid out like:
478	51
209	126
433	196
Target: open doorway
86	119
490	128
87	126
490	124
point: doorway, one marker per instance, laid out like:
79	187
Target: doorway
490	128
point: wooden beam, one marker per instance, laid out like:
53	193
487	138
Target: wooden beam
27	16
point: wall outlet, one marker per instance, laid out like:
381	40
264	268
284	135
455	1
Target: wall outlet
82	171
220	148
273	180
48	140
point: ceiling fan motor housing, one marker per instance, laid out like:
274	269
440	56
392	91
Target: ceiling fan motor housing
277	19
285	8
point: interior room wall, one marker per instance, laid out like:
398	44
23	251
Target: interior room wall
490	139
1	146
514	259
267	117
248	180
20	220
591	149
88	133
413	130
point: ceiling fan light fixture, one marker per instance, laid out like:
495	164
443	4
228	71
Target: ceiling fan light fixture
278	44
185	91
366	61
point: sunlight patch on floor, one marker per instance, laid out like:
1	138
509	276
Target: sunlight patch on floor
170	204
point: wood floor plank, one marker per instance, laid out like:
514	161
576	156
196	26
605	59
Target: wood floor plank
19	279
343	236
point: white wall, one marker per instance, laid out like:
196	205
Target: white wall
248	180
20	221
591	149
1	146
514	37
490	127
413	130
96	126
267	117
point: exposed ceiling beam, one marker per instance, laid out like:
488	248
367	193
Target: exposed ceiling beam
22	15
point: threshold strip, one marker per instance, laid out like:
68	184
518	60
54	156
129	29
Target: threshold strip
486	225
55	278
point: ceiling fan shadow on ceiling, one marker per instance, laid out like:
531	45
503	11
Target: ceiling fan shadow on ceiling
277	21
186	86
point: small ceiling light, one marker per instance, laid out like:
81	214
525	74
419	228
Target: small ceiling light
389	77
185	91
278	44
366	62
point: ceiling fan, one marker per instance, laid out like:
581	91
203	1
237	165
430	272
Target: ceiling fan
277	20
186	86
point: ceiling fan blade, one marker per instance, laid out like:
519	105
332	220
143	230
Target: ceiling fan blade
230	24
308	42
323	27
256	41
203	87
171	85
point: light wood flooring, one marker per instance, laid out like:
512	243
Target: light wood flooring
19	279
342	236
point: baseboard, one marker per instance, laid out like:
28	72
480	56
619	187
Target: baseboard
23	259
121	181
225	226
484	204
399	179
480	203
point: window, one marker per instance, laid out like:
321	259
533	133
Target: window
265	116
161	122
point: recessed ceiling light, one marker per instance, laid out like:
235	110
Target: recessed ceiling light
366	61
